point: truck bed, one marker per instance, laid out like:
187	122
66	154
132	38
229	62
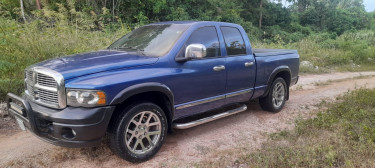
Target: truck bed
269	60
261	52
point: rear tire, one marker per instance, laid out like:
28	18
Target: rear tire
276	97
139	132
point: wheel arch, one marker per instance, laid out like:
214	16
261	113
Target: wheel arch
283	72
157	93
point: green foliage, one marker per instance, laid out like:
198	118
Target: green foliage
295	27
353	51
276	15
372	21
341	136
9	8
275	34
336	16
26	44
344	20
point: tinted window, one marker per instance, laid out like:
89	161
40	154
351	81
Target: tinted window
208	37
234	42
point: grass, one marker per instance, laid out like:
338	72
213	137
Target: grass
342	135
52	158
22	45
352	51
328	82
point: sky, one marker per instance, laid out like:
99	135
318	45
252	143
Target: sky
369	4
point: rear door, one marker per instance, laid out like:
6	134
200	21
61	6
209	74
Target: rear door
240	65
199	87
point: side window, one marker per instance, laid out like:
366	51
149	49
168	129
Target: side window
234	42
208	37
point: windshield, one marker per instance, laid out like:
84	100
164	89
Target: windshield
150	40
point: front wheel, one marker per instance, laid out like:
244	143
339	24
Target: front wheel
139	132
276	97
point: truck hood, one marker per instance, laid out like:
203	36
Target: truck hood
93	62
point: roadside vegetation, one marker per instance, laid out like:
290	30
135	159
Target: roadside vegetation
329	35
342	135
26	44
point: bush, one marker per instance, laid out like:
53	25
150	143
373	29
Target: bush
26	44
296	27
252	31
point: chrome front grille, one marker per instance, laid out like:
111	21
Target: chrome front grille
48	96
45	80
30	90
29	75
45	87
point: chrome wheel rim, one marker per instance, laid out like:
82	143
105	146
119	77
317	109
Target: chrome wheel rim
278	95
143	132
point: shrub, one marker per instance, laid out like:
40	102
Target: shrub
26	44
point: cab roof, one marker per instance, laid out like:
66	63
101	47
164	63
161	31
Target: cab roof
195	23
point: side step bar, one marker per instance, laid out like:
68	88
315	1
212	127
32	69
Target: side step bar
210	118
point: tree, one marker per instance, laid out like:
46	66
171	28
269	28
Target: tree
37	4
302	4
276	14
22	11
260	14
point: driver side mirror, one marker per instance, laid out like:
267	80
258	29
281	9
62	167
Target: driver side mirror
193	51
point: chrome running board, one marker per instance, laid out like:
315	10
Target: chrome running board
208	119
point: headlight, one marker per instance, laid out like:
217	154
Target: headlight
85	98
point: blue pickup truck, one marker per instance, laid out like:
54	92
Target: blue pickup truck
158	77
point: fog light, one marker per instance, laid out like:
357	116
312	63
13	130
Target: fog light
68	133
74	133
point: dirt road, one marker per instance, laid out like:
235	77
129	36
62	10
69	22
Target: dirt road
186	147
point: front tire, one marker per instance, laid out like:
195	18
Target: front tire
276	97
139	132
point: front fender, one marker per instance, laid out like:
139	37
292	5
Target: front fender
142	88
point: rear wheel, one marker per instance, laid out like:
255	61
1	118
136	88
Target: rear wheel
139	132
275	100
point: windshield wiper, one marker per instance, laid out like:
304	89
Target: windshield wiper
141	51
125	48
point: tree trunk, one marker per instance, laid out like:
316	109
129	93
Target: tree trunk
260	14
22	12
38	4
113	10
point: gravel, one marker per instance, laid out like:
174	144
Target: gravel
3	112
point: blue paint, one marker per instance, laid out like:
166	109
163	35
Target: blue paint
191	81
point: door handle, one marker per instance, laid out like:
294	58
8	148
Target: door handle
219	68
249	64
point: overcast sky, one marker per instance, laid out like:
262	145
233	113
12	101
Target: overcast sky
369	4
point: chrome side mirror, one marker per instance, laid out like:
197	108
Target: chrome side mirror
195	51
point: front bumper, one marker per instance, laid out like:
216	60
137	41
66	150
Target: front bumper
69	127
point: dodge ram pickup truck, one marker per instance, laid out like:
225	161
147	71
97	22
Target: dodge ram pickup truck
158	77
